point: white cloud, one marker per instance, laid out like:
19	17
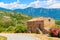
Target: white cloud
38	4
12	5
16	5
45	4
35	4
56	5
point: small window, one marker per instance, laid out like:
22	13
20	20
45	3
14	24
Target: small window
49	20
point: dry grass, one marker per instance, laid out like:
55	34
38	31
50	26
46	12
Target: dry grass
3	38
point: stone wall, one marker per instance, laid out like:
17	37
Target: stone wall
40	25
48	23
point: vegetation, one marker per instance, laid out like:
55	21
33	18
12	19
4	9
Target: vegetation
3	38
13	22
50	39
55	31
58	22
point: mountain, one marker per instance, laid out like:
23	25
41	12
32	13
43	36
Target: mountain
4	9
37	12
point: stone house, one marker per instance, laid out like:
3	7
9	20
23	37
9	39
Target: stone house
40	25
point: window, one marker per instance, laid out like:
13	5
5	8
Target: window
49	20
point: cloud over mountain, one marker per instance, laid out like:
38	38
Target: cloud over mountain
35	4
12	5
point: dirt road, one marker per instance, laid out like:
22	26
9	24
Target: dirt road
19	37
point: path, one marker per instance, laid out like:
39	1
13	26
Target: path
19	37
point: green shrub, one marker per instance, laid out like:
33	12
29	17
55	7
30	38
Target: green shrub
56	25
2	29
58	22
20	28
10	29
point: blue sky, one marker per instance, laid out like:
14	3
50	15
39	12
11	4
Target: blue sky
15	4
21	1
7	1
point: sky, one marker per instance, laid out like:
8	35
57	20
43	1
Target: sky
22	4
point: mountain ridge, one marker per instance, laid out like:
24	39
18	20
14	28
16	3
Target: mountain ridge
37	12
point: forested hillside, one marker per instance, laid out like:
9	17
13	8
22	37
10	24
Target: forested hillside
13	22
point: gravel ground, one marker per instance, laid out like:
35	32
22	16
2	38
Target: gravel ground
19	37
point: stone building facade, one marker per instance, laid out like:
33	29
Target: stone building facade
40	25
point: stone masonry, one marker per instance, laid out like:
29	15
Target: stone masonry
40	25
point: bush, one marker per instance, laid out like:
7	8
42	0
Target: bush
2	29
10	29
20	28
55	32
58	22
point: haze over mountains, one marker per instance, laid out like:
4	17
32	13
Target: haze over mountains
37	12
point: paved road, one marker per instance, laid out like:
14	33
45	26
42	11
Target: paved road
19	37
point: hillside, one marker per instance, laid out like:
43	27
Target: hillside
13	21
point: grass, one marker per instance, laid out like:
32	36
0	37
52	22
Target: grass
3	38
50	39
